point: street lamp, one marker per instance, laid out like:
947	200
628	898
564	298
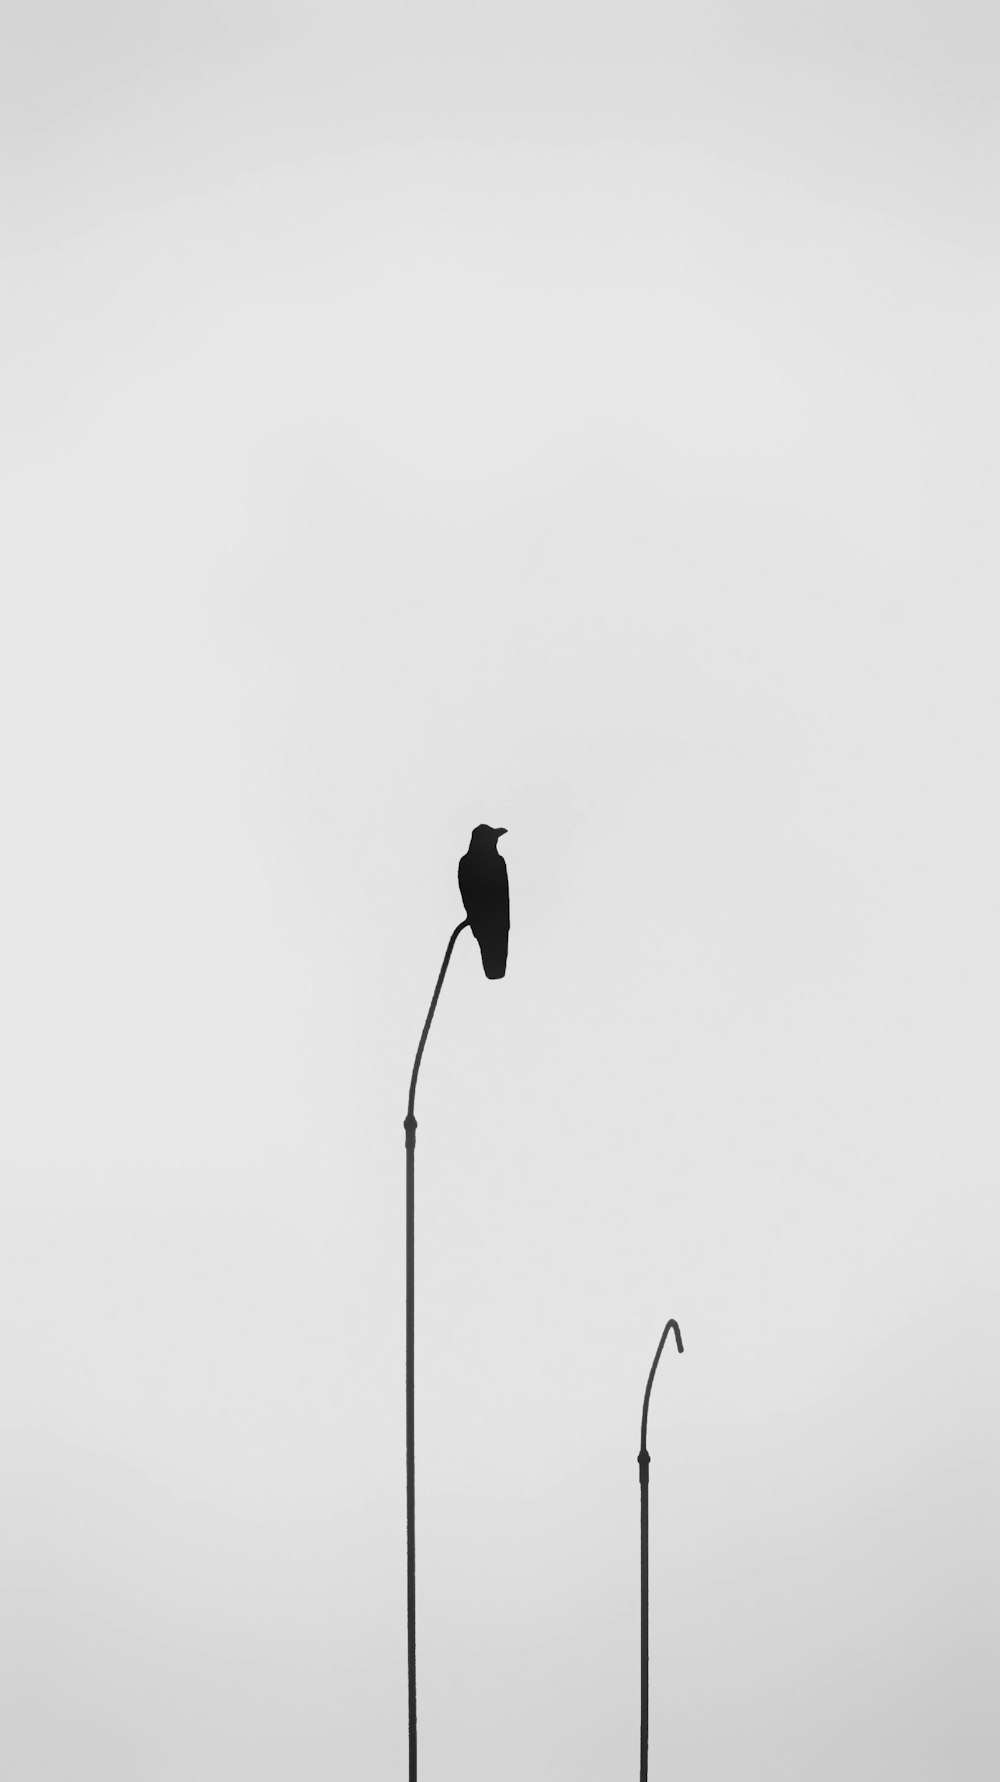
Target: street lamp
482	881
671	1325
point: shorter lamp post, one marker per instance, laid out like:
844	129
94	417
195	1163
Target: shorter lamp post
671	1325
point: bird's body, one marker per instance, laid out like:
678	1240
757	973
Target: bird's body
482	880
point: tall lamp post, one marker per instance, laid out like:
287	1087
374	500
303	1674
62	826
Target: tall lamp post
644	1458
482	881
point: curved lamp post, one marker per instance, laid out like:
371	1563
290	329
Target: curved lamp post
671	1325
482	878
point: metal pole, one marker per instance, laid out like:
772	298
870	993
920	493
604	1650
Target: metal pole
644	1459
643	1614
411	1557
410	1128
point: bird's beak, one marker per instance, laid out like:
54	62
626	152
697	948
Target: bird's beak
500	832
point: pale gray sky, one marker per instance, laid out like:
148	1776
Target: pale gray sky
582	419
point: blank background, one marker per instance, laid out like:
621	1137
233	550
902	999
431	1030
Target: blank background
578	418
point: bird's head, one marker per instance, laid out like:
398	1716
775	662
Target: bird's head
485	836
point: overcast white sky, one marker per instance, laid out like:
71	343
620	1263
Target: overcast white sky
582	419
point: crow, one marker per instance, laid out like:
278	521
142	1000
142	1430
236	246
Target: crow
482	880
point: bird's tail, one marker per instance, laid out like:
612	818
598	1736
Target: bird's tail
494	952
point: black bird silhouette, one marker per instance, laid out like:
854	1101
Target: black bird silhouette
482	880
